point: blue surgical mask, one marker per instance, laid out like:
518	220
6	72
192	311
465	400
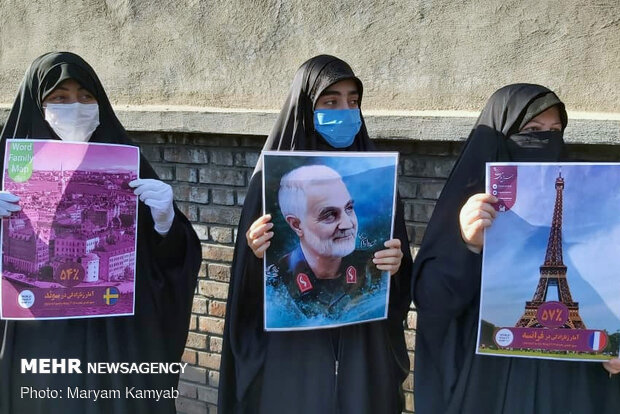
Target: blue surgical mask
338	126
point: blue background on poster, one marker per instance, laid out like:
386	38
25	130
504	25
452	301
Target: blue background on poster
370	181
591	244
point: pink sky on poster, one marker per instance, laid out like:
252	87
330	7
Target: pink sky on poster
49	155
70	251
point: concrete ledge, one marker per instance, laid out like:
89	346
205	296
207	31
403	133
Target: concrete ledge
584	128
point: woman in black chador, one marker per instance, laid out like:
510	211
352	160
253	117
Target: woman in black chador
521	122
62	98
352	369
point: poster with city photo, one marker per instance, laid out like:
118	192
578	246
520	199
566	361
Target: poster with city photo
70	251
550	287
331	212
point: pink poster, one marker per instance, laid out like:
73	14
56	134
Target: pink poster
503	185
70	252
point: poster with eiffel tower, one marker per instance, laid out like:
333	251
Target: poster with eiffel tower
550	284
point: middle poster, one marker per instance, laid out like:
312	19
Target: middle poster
331	212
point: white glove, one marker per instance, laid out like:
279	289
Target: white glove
8	203
158	196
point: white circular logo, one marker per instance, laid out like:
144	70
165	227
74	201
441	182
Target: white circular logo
504	337
25	299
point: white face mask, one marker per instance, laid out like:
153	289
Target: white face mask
73	122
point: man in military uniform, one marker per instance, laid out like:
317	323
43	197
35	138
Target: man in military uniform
329	297
323	274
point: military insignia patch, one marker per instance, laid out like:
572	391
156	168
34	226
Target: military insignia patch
303	282
351	274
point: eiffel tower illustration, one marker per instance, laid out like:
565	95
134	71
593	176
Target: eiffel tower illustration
553	274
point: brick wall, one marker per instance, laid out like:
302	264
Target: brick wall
210	175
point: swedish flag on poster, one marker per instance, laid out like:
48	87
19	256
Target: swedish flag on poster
111	296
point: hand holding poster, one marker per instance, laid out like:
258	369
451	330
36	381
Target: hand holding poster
549	274
70	250
331	212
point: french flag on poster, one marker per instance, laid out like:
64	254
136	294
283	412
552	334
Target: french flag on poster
597	340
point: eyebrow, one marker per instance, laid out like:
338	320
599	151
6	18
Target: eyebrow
337	93
327	209
64	88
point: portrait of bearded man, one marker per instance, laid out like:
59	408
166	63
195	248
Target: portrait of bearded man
324	274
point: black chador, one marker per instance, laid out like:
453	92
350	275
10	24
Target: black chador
353	369
449	377
166	272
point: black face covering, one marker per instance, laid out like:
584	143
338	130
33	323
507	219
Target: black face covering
450	378
536	146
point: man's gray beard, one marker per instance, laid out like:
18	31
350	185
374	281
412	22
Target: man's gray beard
331	248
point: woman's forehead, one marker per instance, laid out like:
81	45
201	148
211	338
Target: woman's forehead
69	84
